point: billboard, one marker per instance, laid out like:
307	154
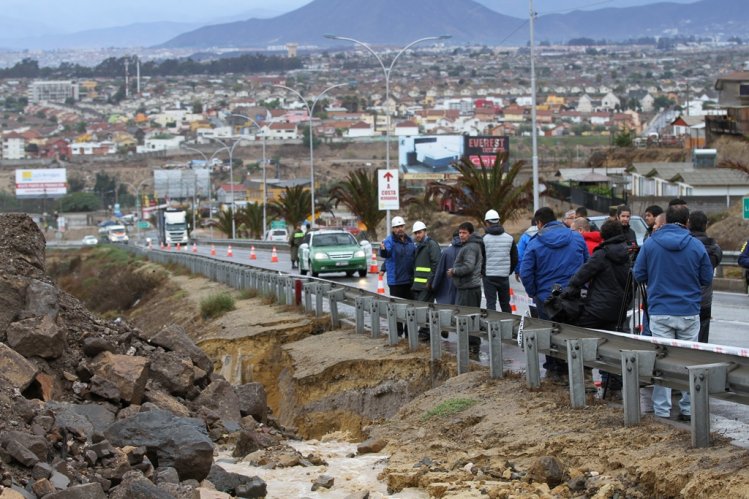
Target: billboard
429	154
482	149
182	184
40	184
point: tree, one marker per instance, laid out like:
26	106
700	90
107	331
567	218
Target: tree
305	137
359	193
623	138
481	189
79	201
294	205
224	221
104	188
251	217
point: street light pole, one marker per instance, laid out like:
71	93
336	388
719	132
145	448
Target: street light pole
265	164
534	132
387	71
310	110
231	182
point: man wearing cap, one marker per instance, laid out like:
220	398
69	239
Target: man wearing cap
398	250
426	259
501	260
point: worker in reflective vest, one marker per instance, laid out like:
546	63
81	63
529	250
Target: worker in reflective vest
427	258
295	240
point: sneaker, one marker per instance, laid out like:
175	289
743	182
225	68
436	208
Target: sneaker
686	418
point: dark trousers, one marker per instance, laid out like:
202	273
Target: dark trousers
423	295
552	364
470	297
705	313
401	291
497	287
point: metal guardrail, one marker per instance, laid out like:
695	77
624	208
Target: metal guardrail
703	369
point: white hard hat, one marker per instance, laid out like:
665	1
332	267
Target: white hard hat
418	226
491	216
397	221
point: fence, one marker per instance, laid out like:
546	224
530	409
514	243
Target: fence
703	369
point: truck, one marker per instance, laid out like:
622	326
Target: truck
117	234
172	226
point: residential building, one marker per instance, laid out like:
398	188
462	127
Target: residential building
52	91
14	146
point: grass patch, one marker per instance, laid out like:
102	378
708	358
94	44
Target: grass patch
179	294
449	408
216	305
248	294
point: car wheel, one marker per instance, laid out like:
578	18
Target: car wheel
303	271
312	271
362	272
349	273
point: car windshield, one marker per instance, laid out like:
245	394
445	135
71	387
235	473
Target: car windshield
279	232
334	240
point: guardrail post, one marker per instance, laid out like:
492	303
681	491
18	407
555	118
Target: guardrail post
463	324
534	341
412	327
703	380
496	361
359	303
320	291
280	292
308	296
634	364
392	318
435	332
375	307
334	297
576	370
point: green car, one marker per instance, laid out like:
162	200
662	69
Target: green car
332	251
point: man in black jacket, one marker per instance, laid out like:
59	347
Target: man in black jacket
426	259
697	225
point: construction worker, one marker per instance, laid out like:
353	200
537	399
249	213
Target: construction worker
427	258
295	240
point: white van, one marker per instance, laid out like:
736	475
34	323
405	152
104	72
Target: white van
117	234
277	235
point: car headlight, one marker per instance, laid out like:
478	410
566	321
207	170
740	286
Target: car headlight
321	256
360	254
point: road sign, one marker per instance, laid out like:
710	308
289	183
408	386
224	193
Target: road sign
746	208
387	190
142	224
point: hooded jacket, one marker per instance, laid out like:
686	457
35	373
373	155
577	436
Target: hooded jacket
468	263
443	287
552	257
675	266
529	234
592	240
606	274
399	263
501	252
715	254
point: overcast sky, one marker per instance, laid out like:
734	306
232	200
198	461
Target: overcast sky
76	15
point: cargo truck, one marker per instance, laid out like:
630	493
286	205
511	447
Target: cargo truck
172	226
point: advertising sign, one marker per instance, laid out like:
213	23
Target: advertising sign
48	183
429	153
387	190
483	149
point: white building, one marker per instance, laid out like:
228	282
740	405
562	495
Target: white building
52	91
14	146
161	143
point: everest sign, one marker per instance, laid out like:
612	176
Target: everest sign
387	190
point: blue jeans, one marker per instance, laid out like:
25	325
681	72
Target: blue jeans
685	328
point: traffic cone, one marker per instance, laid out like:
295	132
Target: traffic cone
194	247
149	245
169	246
513	306
373	268
274	256
179	248
161	245
380	286
213	250
253	256
229	252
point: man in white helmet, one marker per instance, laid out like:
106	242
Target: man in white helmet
398	251
427	257
501	260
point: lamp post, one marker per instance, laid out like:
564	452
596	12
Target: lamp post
387	71
231	182
310	110
137	202
534	132
265	164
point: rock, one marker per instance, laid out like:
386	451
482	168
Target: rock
136	486
166	475
105	389
323	481
42	487
20	453
253	401
166	402
93	346
547	469
250	441
116	466
59	480
12	301
220	398
173	371
174	338
228	482
181	443
204	493
66	418
41	470
48	386
128	373
10	494
256	487
37	337
85	491
99	415
42	299
35	443
15	370
370	446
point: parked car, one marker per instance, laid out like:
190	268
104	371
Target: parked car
332	251
636	222
281	235
90	241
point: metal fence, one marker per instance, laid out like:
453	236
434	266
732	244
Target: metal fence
705	370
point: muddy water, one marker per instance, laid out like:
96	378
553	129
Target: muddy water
352	475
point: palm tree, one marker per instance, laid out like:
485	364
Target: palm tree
359	193
224	221
294	205
481	189
251	217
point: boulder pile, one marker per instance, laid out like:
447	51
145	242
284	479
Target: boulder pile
92	408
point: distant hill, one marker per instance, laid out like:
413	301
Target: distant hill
401	21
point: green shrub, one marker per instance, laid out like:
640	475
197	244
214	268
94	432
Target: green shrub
216	305
448	408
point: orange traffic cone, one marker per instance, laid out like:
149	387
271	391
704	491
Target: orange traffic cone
194	247
161	245
274	256
513	307
213	250
380	285
373	268
149	245
229	252
179	248
253	256
169	246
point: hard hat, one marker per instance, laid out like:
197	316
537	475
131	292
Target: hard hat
418	226
491	216
397	222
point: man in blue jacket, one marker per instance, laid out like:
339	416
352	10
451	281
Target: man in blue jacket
674	266
551	257
399	252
